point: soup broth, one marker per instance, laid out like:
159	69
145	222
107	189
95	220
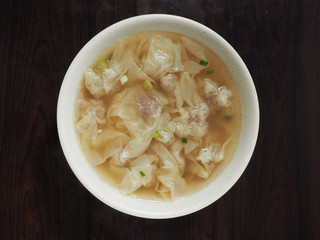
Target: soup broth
158	114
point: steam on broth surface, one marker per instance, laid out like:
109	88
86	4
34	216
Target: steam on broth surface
158	114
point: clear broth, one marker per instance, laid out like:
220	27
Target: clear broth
223	77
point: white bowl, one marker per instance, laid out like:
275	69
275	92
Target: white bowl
88	175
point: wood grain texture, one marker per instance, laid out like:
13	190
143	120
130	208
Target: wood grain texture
277	197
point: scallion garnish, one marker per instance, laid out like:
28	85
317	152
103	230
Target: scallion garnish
184	175
124	79
110	56
228	117
209	72
203	62
155	135
184	140
142	173
206	169
100	67
147	84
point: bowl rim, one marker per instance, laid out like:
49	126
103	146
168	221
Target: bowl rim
123	204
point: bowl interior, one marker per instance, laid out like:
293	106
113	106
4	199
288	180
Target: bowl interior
85	172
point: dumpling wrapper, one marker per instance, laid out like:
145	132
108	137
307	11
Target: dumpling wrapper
141	173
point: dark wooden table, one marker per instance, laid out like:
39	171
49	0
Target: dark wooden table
278	196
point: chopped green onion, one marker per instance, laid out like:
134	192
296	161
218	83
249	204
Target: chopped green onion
155	135
206	169
184	140
110	56
228	117
147	84
100	67
184	175
203	62
142	173
209	72
124	79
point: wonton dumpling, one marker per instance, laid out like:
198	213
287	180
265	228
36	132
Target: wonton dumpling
163	56
193	48
134	179
109	143
192	67
219	97
195	168
189	90
208	154
94	83
118	66
173	186
192	121
136	146
169	164
103	144
137	109
135	73
176	150
170	172
94	108
90	113
170	84
165	128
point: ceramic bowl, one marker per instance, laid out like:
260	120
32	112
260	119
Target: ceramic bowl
86	173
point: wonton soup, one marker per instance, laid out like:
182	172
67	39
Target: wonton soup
158	114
